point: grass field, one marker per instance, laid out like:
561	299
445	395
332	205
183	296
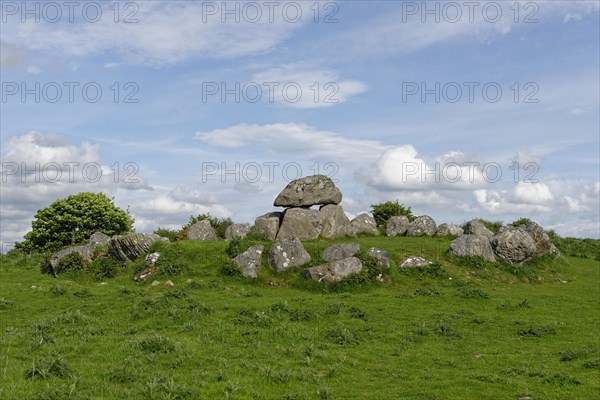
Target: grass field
465	330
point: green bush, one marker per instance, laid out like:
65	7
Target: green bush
167	233
519	222
493	226
70	262
73	220
382	212
104	267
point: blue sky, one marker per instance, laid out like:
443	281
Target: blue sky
378	135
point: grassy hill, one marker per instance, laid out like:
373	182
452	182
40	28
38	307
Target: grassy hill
461	329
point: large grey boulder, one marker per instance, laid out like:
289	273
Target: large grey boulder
268	224
449	230
98	238
364	223
474	246
249	261
422	226
309	191
303	223
334	271
335	222
85	251
543	245
202	230
396	225
287	253
513	245
237	230
340	251
476	227
131	246
382	257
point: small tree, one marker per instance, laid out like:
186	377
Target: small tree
384	211
73	220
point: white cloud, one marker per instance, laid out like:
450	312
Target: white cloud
33	70
302	140
304	86
167	33
11	55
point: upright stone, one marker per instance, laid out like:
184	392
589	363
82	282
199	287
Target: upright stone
237	230
476	227
340	251
543	244
287	253
201	230
268	225
396	225
364	223
422	226
249	261
303	223
513	245
474	246
309	191
129	247
335	222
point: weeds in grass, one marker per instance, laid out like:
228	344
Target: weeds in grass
156	344
356	312
48	368
333	309
421	291
5	304
341	335
83	293
539	331
472	293
58	290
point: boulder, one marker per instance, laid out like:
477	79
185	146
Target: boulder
309	191
334	271
335	222
382	257
543	244
287	253
85	251
396	225
98	238
303	223
268	224
237	230
202	230
476	227
422	226
449	230
414	261
131	246
249	261
340	251
513	245
364	223
473	245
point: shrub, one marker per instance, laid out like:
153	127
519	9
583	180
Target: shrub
104	267
519	222
493	226
70	262
382	212
167	233
73	220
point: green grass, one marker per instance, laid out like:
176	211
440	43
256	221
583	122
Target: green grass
462	329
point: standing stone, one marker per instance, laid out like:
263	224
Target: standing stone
476	227
287	253
98	238
396	225
382	257
268	225
364	223
474	246
202	230
309	191
340	251
303	223
449	230
335	222
129	247
513	245
237	230
422	226
249	261
85	251
543	244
